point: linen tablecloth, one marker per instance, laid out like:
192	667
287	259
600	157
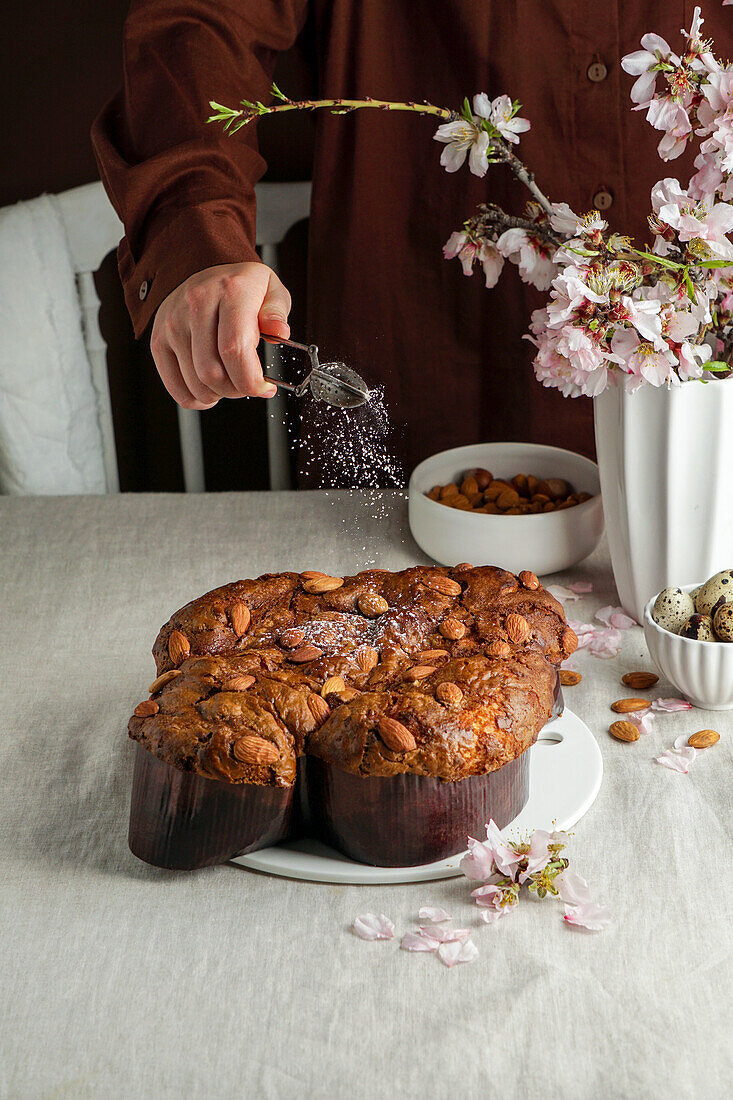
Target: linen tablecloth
118	979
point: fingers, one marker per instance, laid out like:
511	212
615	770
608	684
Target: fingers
239	335
170	373
275	308
206	332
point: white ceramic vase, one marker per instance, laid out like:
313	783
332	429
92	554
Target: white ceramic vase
665	458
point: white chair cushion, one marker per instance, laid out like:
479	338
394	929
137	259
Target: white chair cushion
50	438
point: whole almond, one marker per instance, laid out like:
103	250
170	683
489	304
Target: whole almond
146	709
452	629
509	498
238	683
419	672
318	707
449	693
318	585
449	491
311	574
395	736
437	582
255	750
348	694
179	647
163	679
332	686
367	659
569	641
292	638
517	628
429	655
240	618
372	605
304	653
498	649
624	731
462	567
469	486
640	681
461	503
529	580
568	678
627	706
703	739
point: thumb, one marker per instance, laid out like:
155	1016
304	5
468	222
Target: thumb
273	315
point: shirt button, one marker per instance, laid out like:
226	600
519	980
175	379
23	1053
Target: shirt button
145	286
597	72
602	200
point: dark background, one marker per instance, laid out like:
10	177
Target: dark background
60	62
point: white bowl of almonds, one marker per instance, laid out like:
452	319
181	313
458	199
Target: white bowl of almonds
516	505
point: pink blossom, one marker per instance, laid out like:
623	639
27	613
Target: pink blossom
643	65
452	953
478	864
435	916
563	220
568	293
461	139
369	926
418	941
644	314
694	219
459	245
671	705
505	858
500	113
535	266
495	902
643	360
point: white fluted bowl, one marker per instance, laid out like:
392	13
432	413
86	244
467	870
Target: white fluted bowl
701	671
544	543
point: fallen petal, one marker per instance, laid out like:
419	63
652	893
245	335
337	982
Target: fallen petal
369	926
491	915
561	593
674	760
452	953
445	935
416	941
607	643
433	915
615	617
572	888
643	720
589	915
671	705
581	588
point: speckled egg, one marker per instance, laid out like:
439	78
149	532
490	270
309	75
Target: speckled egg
715	592
699	627
672	609
723	622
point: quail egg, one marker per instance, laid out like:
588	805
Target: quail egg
699	627
723	622
672	609
718	590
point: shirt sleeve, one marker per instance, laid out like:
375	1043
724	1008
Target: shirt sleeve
183	189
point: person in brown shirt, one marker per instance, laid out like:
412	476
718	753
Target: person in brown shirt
448	352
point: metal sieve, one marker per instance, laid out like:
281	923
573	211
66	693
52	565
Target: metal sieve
334	383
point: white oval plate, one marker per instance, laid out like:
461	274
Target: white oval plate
565	773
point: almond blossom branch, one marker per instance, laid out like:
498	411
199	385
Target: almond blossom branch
235	118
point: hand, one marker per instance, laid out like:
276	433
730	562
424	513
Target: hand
205	334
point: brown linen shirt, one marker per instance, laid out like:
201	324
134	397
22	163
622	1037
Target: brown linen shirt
449	353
